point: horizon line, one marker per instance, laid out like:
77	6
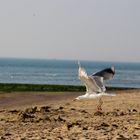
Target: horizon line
62	59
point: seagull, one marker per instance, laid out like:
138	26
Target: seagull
95	83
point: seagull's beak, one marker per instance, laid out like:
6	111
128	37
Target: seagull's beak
76	99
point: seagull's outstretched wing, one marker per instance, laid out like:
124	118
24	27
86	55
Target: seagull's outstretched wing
107	73
99	82
89	82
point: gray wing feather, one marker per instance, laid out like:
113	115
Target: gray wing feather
107	73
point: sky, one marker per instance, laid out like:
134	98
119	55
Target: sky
103	30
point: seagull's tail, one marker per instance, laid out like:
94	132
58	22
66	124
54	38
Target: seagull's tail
112	94
108	94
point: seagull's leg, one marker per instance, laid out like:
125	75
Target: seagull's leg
99	106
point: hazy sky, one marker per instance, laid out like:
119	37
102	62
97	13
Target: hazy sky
106	30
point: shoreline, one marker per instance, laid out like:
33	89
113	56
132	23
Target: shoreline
13	87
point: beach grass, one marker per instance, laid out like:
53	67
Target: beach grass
9	87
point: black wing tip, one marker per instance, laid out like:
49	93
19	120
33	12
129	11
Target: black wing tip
110	70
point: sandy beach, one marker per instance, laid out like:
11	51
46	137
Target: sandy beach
55	116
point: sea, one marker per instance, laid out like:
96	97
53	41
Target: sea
65	72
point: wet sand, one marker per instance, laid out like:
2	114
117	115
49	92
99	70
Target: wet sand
54	115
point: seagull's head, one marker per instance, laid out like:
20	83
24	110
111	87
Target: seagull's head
80	97
76	99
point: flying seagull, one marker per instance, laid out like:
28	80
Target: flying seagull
95	83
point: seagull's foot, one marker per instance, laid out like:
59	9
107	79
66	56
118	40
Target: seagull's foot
99	107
